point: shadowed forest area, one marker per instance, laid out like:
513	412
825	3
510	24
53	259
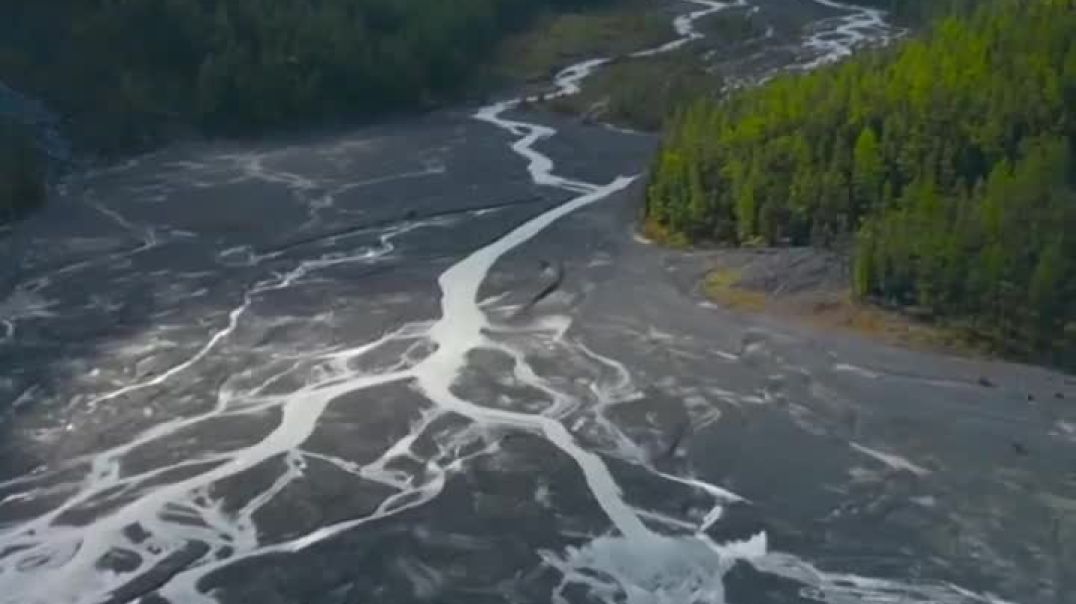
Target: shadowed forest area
947	163
127	73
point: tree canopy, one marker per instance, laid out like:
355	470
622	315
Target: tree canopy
949	162
125	71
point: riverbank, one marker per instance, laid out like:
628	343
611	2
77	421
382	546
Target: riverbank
559	39
632	91
812	287
737	44
641	91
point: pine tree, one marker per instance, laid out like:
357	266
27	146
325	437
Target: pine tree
868	170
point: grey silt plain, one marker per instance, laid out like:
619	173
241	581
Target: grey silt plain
430	361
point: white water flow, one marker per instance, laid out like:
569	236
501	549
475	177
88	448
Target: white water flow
54	559
837	38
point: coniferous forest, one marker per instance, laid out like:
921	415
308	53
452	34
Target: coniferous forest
127	73
947	163
130	74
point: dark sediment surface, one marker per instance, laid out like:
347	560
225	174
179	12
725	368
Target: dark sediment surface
391	366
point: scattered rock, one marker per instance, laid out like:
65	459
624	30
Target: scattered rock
136	533
986	383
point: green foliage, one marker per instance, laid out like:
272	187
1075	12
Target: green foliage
127	71
949	161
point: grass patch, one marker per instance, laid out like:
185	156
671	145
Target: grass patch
559	40
661	235
721	287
